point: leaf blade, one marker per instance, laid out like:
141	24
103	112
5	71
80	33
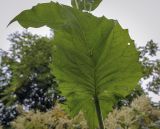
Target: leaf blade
92	56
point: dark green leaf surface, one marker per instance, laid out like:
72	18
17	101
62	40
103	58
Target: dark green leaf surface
92	56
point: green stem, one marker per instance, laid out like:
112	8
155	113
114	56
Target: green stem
84	4
99	113
90	7
77	4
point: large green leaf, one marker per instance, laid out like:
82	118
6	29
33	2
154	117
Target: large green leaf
88	5
92	57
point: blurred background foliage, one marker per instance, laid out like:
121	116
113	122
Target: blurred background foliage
25	76
140	114
26	81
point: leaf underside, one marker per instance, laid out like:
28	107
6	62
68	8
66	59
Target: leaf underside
87	5
92	57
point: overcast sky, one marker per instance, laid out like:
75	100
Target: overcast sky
141	17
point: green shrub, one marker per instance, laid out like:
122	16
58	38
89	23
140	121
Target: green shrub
140	115
54	119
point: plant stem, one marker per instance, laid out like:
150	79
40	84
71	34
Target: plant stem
84	4
99	113
77	4
90	8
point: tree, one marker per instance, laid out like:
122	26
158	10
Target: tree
31	81
26	76
151	66
7	114
94	58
